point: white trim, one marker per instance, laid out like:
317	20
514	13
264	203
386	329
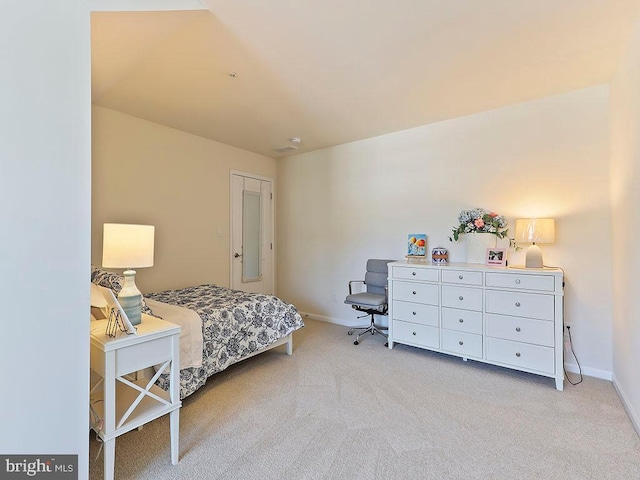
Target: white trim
589	372
251	175
633	416
343	323
322	318
273	223
143	5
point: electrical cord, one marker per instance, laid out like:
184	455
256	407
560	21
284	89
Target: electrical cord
97	423
569	334
574	356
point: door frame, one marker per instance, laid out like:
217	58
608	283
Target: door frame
273	223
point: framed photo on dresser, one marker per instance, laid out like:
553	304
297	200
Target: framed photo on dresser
417	245
496	257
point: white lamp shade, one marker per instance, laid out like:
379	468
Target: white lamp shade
127	246
535	230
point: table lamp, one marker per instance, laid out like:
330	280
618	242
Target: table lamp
128	246
534	231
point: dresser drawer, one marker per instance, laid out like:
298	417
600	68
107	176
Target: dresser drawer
416	313
419	335
416	292
537	332
521	355
413	273
462	343
462	297
545	283
462	277
462	320
520	304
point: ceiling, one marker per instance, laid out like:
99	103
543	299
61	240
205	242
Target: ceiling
332	72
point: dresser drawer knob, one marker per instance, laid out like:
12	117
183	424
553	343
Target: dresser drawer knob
414	313
517	281
518	354
461	342
461	320
413	273
460	298
517	329
460	277
517	304
415	333
414	292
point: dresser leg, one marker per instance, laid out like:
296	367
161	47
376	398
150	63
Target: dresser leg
109	458
174	424
560	384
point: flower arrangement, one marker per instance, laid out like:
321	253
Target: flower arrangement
480	220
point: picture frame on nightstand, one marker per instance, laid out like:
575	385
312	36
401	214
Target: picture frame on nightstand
117	318
496	257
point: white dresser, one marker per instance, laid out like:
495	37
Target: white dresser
510	317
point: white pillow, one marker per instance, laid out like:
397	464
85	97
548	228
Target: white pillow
97	299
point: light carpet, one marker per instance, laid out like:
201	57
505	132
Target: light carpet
334	410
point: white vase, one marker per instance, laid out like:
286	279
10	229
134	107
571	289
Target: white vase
477	244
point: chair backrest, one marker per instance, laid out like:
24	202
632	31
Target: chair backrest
376	276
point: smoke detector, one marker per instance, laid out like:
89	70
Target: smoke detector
295	142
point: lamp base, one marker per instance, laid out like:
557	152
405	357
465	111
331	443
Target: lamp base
130	298
534	257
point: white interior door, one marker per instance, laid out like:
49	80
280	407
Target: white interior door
251	233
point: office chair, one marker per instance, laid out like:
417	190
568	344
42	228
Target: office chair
372	302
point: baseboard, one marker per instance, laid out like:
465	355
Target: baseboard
356	322
322	318
635	419
589	372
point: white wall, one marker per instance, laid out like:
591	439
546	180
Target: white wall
147	173
549	157
625	198
44	241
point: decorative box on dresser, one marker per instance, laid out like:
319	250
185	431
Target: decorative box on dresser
511	317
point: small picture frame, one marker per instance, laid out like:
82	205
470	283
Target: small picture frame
117	318
417	245
496	257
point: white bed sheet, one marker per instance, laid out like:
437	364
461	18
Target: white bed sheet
191	334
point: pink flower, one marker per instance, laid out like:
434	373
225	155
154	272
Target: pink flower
493	214
478	222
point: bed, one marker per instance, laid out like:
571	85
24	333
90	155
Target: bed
220	326
235	325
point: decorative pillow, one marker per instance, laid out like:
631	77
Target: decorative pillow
107	279
115	281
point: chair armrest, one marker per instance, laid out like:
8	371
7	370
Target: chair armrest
354	281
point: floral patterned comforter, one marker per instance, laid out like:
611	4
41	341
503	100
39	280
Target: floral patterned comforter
234	325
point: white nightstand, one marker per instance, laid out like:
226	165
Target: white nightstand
123	403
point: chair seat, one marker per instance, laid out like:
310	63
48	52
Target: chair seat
373	300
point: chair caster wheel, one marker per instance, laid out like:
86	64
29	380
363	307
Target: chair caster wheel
356	342
386	344
349	332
